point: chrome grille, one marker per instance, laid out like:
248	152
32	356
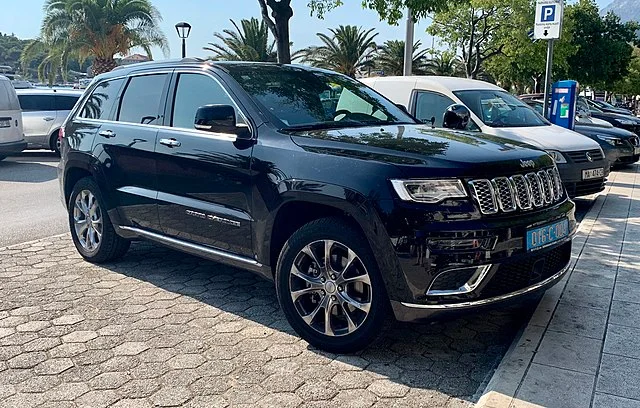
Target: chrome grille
586	156
524	192
635	141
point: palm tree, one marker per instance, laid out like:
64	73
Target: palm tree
250	42
444	63
348	50
101	29
390	58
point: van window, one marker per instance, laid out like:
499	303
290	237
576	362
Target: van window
141	100
35	103
194	91
8	98
432	105
101	103
65	102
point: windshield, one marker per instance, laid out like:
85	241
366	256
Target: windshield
500	109
299	98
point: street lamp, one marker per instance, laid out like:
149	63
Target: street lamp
183	29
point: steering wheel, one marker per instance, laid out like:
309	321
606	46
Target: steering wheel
339	112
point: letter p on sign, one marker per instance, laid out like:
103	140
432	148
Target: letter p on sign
548	13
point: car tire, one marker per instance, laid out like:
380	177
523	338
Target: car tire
323	312
54	143
93	233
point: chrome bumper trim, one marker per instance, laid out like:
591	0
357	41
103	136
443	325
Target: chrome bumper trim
482	302
475	280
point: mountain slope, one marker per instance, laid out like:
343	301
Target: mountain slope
627	10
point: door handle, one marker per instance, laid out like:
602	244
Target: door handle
170	142
107	133
48	119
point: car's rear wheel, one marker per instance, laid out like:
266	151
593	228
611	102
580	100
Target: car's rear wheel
93	234
329	286
54	142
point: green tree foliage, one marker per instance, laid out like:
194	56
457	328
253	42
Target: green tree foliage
603	46
99	28
10	49
347	49
390	10
390	58
630	83
250	42
444	63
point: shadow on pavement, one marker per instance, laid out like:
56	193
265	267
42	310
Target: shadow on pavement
26	172
452	356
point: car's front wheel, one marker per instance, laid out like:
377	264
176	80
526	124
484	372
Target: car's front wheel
54	143
93	234
329	286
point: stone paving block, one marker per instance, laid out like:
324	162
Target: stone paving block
611	401
554	387
582	321
623	341
625	314
587	296
619	376
627	292
569	351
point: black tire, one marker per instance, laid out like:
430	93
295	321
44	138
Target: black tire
53	143
339	230
111	246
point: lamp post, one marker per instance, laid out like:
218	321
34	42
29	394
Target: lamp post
183	29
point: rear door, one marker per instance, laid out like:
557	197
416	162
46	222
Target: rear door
204	177
126	147
10	114
38	115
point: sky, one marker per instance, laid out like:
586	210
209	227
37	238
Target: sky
209	16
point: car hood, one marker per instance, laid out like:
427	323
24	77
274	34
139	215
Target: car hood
597	130
423	146
550	137
609	115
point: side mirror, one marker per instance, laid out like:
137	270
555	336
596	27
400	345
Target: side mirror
403	108
220	119
456	117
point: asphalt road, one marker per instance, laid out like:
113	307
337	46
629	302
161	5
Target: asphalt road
30	206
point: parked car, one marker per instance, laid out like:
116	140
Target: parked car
349	208
627	122
43	112
18	82
620	146
11	135
607	107
494	111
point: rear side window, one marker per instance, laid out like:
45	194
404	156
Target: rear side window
432	105
66	102
33	103
142	98
193	92
101	103
8	98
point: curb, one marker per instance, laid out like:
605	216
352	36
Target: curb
13	246
505	381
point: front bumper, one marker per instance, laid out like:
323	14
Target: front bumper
486	257
571	175
10	148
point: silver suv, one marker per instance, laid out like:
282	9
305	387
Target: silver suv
43	112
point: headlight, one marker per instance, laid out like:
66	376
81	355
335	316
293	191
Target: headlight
556	156
625	121
428	191
613	141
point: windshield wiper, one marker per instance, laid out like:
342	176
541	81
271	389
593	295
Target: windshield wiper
325	125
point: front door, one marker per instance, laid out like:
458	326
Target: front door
204	181
38	114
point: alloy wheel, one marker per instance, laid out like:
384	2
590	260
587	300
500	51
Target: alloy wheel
330	288
87	219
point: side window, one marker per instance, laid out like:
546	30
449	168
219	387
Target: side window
142	98
34	103
101	103
194	91
65	103
8	98
348	101
432	105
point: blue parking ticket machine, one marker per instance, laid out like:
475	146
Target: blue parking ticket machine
563	103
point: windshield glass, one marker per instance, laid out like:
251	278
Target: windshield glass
500	109
300	98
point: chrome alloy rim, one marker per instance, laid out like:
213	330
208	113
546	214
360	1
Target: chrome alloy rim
87	220
330	288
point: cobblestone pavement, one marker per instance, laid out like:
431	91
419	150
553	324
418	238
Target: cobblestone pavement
160	328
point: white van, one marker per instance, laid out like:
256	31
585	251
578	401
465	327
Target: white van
11	134
494	111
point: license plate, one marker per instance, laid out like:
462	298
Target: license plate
636	151
5	123
593	173
538	238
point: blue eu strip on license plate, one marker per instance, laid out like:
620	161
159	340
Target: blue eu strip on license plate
546	235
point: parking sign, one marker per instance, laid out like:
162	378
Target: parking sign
548	24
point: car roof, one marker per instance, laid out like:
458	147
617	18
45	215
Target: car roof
4	78
47	91
437	83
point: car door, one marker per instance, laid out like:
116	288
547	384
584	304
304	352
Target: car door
126	147
204	190
38	115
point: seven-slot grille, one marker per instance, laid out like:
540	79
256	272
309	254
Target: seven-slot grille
521	191
586	156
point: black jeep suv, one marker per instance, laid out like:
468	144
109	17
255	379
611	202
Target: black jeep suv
313	180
